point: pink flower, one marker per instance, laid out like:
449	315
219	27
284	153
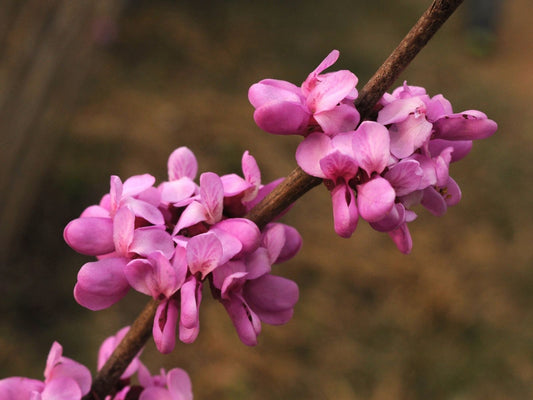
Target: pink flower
324	101
65	379
250	293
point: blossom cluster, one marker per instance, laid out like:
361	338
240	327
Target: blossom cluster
166	241
66	379
376	170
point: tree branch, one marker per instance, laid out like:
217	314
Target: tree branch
291	189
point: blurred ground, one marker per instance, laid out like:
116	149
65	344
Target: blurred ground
453	320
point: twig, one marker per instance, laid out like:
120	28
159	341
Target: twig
292	188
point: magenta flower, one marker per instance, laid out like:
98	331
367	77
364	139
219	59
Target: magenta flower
324	101
333	159
250	293
65	379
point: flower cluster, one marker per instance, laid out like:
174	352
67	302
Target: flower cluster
378	170
166	241
66	379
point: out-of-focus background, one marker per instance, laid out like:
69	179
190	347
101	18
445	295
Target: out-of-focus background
90	89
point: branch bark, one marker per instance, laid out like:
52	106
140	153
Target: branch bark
293	187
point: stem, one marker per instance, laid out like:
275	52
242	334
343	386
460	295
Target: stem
291	189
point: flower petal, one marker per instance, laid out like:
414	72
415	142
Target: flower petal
204	253
212	196
342	118
101	283
371	147
164	328
182	164
409	135
270	297
283	118
92	236
468	125
179	384
345	215
375	199
310	151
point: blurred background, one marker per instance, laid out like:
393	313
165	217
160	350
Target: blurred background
90	89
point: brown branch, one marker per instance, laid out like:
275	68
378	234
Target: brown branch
292	188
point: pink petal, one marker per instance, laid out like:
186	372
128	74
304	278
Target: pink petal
345	213
375	199
141	276
164	328
204	253
437	107
101	283
179	384
310	82
68	368
371	147
182	164
273	90
336	165
252	174
155	393
452	193
244	230
246	322
91	236
402	238
95	211
330	90
273	239
292	245
270	297
145	210
258	264
461	148
193	214
191	297
62	388
234	185
137	184
18	388
468	125
123	228
434	202
115	192
392	220
177	190
405	176
283	118
212	196
409	135
342	118
149	239
54	355
308	154
399	110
